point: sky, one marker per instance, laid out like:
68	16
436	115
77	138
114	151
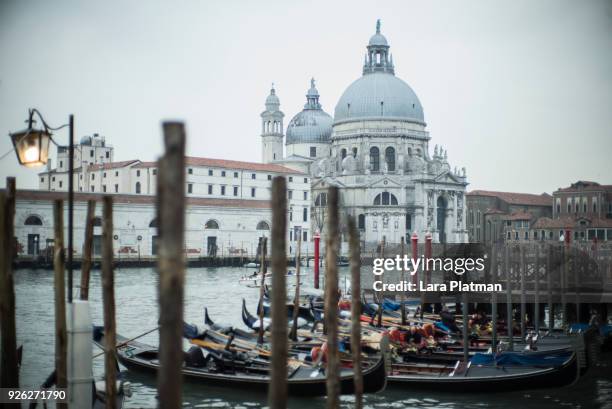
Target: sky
519	92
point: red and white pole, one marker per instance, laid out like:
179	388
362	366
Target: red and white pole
317	240
428	252
415	253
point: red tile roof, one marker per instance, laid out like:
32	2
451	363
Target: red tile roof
41	195
569	222
519	216
516	198
229	164
111	165
585	185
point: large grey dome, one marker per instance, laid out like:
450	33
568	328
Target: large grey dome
379	95
312	124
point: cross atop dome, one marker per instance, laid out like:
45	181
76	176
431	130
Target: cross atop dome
377	58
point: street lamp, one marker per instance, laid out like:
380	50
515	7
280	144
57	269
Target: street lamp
32	149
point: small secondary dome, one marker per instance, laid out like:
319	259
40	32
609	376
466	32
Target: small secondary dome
312	124
86	140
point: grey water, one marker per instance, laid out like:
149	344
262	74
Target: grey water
219	290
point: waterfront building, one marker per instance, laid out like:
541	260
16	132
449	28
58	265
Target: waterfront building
496	217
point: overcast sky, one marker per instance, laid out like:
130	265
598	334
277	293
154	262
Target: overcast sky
518	92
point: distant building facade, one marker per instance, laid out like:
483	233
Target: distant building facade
496	217
584	209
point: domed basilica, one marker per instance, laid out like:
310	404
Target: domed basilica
376	150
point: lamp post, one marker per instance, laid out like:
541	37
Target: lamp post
32	149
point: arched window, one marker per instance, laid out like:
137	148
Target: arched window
343	153
385	199
375	158
305	214
137	187
354	152
33	221
211	224
361	222
321	200
263	226
154	223
390	159
97	222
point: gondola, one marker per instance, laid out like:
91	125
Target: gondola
486	374
223	368
253	322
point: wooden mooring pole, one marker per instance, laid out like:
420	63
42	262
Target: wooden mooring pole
331	299
509	316
59	262
403	293
171	264
9	373
263	248
536	278
296	297
522	267
549	289
108	298
277	394
493	269
381	295
87	249
355	263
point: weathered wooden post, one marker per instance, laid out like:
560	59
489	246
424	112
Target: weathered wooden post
9	375
87	249
522	268
565	251
296	298
263	246
355	262
536	277
509	316
403	293
382	280
551	311
171	264
277	396
108	297
466	328
59	261
493	267
576	274
331	299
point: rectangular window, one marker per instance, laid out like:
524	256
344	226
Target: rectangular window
223	173
104	188
252	176
189	187
291	215
305	238
61	164
210	189
92	188
526	235
235	190
305	214
138	173
290	178
91	153
235	174
252	192
107	154
60	183
269	177
305	195
42	179
535	235
290	235
116	188
289	194
305	180
223	190
93	176
154	171
117	173
190	171
313	151
104	175
210	172
516	235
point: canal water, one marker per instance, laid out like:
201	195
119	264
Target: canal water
219	290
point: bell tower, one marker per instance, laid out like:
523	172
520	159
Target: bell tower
272	129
